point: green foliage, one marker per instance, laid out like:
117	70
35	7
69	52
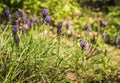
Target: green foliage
56	8
43	56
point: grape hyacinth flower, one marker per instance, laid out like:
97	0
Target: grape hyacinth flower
3	27
24	19
31	19
9	17
29	24
88	27
36	20
44	13
83	44
23	13
59	26
6	12
67	25
16	15
14	29
47	19
103	23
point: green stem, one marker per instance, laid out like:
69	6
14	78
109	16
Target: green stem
58	58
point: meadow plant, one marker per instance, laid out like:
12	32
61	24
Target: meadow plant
23	13
59	26
44	13
16	15
38	53
103	23
24	19
87	27
7	15
31	19
6	12
67	25
83	44
47	19
29	24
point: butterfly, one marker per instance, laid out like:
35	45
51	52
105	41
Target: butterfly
89	49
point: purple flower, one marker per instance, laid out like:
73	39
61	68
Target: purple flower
67	25
6	12
14	29
103	23
29	24
83	44
44	13
9	17
88	27
24	19
59	25
47	19
3	27
31	19
23	13
16	15
37	20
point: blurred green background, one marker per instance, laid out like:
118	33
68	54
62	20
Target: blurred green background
60	7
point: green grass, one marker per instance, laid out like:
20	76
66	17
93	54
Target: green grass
40	58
